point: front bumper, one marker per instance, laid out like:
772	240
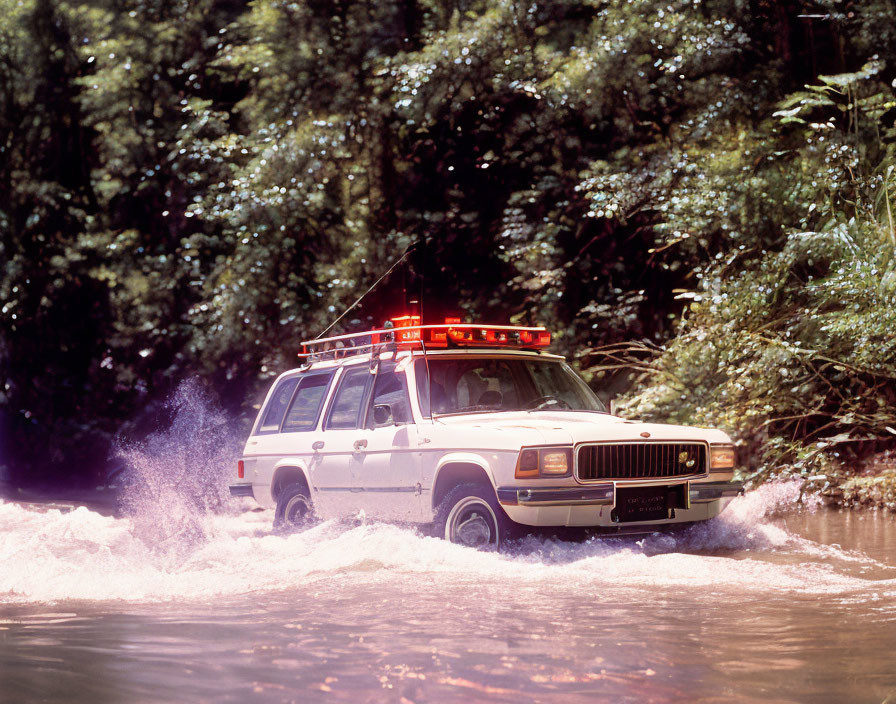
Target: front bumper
713	491
594	505
602	494
242	490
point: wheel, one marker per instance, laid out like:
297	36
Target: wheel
294	508
470	515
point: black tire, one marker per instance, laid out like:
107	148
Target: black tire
471	515
294	509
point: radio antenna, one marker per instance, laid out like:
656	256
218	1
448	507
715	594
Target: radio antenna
361	297
432	415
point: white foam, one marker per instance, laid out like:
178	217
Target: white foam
48	556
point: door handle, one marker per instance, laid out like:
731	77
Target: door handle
317	445
360	444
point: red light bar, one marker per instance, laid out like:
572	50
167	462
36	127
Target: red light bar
408	333
407	328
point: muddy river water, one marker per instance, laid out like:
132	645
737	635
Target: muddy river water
770	602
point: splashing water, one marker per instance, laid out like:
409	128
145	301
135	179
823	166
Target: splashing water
179	475
190	596
50	555
181	536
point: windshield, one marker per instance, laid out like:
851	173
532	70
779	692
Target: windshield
463	385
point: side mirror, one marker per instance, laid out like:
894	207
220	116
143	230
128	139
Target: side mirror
382	414
612	406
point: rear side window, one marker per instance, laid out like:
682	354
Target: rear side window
276	409
305	407
345	412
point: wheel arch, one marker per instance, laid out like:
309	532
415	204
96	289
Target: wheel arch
459	470
286	473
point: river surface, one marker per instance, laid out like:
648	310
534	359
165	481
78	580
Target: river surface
770	602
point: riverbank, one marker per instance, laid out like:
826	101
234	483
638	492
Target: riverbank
863	484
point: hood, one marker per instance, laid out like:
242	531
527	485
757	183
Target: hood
572	427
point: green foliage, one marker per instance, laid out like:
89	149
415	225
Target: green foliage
700	191
45	284
792	347
878	490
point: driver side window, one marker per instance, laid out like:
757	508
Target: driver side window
390	404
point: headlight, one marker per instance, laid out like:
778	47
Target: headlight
722	457
544	462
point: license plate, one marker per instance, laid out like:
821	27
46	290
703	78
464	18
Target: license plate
649	503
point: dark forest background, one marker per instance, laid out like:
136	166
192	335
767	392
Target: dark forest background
696	196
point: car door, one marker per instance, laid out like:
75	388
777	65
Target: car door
386	467
297	437
331	469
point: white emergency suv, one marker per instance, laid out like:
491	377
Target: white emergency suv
474	429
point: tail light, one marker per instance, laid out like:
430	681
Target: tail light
240	470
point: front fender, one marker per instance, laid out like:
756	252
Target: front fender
464	458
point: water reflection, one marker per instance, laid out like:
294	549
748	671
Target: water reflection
794	608
428	642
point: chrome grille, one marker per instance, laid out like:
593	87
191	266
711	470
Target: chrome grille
641	460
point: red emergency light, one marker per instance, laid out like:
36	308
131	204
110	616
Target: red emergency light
407	328
407	333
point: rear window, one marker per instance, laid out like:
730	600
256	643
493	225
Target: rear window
276	408
306	404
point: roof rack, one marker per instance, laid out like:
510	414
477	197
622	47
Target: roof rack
407	333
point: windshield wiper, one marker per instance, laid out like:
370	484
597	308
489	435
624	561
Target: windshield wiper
543	402
471	409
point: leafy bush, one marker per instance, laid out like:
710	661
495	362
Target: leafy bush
700	190
791	346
